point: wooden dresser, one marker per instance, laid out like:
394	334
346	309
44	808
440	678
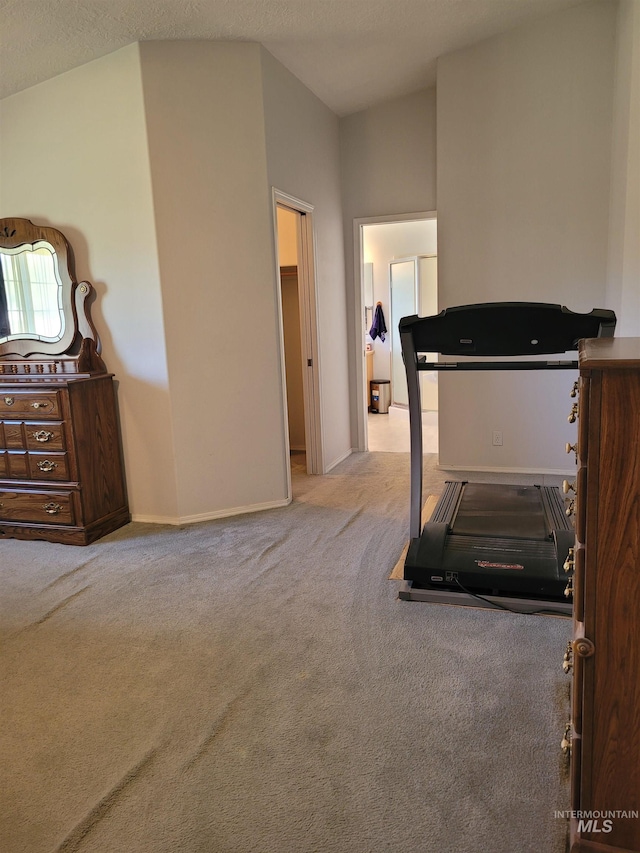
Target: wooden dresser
61	468
604	654
60	463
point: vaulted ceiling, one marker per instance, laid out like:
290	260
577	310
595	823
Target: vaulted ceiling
350	53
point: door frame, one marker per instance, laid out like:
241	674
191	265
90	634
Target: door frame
307	295
362	406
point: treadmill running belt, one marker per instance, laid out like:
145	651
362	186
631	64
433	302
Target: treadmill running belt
501	511
494	538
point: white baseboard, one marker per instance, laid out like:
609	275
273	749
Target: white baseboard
338	461
210	516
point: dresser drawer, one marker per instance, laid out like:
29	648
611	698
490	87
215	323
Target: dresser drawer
20	465
577	688
39	507
49	436
578	583
31	435
583	421
14	465
581	504
48	466
18	404
11	435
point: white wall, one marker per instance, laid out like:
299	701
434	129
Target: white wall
388	156
74	156
623	285
303	160
205	125
524	154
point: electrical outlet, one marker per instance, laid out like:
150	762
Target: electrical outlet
496	438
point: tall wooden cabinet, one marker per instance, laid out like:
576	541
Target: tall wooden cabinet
605	648
61	465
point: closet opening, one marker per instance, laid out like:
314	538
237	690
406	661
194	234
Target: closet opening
293	220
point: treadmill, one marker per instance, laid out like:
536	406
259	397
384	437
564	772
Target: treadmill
502	545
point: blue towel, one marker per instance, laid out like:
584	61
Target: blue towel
379	327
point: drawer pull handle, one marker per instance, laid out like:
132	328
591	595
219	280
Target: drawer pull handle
575	389
37	405
565	744
568	590
567	660
52	508
43	435
568	487
9	401
570	561
47	465
573	414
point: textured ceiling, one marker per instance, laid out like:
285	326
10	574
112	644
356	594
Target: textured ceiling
350	53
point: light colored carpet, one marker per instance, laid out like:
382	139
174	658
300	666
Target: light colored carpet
427	511
254	685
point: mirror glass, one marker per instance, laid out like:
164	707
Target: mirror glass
31	299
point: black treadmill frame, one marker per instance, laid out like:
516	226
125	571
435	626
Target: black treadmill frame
516	330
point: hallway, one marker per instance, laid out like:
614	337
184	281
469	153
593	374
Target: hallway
390	432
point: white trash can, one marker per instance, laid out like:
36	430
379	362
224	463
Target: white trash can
380	396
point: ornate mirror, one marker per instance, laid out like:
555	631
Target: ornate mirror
43	309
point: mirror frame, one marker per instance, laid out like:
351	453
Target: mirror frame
16	232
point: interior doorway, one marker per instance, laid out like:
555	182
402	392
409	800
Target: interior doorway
396	268
293	221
